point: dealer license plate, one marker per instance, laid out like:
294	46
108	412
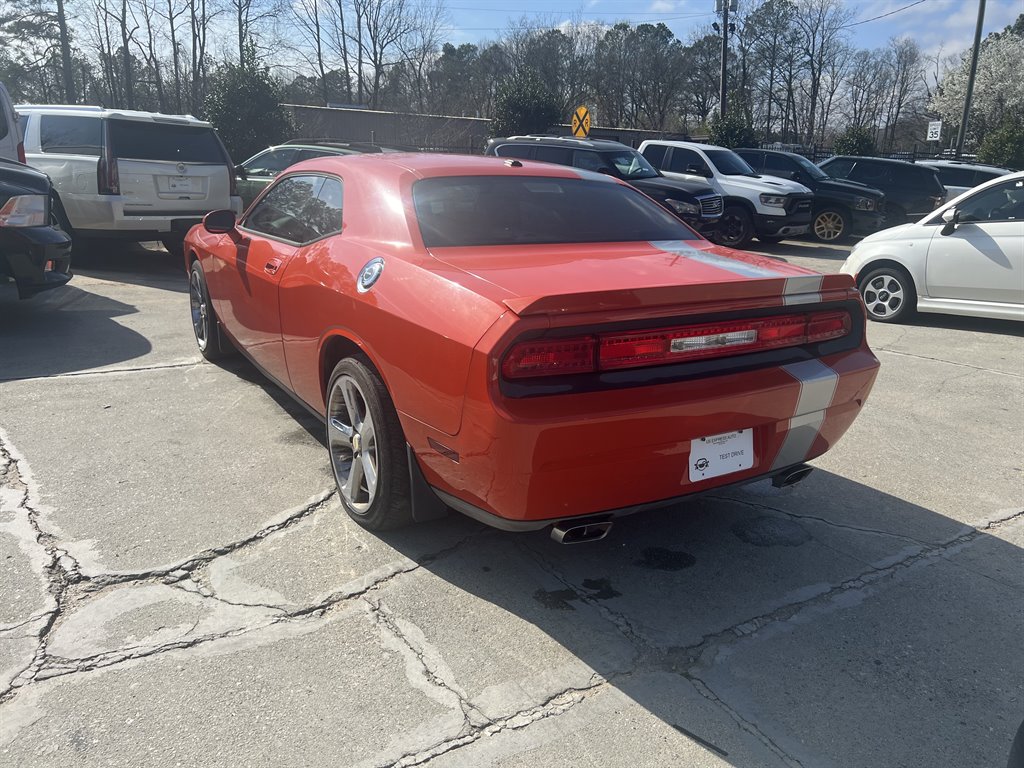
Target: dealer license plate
722	454
179	183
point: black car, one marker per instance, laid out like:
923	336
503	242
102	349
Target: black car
696	204
911	191
841	207
34	252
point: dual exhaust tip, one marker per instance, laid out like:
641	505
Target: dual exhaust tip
583	531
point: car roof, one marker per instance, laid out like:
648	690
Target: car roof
962	164
571	141
393	165
120	114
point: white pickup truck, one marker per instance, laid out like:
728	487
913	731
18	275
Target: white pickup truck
768	207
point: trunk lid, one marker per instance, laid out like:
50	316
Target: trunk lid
560	279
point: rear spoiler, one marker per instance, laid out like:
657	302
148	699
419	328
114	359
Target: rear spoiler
787	291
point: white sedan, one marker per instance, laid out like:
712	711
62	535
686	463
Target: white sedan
965	258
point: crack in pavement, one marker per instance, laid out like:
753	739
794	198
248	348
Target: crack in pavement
948	362
106	371
555	705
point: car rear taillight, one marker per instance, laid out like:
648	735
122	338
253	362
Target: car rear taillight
662	346
21	153
232	180
550	357
107	180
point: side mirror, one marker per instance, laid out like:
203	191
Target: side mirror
952	217
219	222
240	172
697	170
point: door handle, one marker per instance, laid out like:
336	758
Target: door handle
272	266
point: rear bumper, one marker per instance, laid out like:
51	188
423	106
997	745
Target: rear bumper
37	258
537	461
111	217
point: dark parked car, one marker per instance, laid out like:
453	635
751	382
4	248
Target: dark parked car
34	252
911	191
841	207
253	176
696	204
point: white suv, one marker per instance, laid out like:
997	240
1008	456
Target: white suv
766	206
131	175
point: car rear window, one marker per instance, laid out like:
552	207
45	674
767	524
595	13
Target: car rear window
71	135
499	210
139	140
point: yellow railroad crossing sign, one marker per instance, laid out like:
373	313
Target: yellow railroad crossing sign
581	123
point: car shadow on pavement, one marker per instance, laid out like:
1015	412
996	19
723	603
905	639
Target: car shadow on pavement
65	331
804	248
828	624
146	264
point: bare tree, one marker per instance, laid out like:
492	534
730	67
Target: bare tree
821	27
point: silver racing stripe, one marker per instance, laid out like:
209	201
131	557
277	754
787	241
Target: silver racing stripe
802	290
817	388
737	267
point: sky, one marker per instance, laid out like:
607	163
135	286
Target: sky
935	24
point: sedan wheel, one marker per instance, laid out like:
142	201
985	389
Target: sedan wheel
889	295
367	447
830	226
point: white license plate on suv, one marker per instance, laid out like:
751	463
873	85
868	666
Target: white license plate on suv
723	454
179	183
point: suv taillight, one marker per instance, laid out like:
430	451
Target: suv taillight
661	346
233	180
107	181
21	153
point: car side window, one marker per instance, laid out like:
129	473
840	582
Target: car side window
71	135
872	174
776	165
522	151
956	177
839	169
755	160
324	213
655	154
557	155
271	163
682	160
283	212
1003	202
588	161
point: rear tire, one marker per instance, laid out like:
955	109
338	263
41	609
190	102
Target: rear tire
211	342
367	447
889	295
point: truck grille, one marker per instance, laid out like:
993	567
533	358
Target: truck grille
711	206
798	204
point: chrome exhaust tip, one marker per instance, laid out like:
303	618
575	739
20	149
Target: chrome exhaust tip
792	476
579	533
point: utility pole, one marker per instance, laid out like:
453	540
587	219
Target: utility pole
962	133
722	6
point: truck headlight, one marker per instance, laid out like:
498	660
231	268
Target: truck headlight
683	208
864	204
774	201
25	211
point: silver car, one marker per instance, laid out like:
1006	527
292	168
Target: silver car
965	258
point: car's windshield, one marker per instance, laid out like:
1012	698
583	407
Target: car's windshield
810	168
729	163
631	165
501	210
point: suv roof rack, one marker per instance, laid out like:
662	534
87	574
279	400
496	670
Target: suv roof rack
362	146
568	139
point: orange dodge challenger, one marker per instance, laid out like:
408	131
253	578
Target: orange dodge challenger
532	345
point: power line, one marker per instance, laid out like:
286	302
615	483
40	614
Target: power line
890	13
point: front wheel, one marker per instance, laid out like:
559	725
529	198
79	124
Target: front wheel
889	295
830	225
367	447
736	228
